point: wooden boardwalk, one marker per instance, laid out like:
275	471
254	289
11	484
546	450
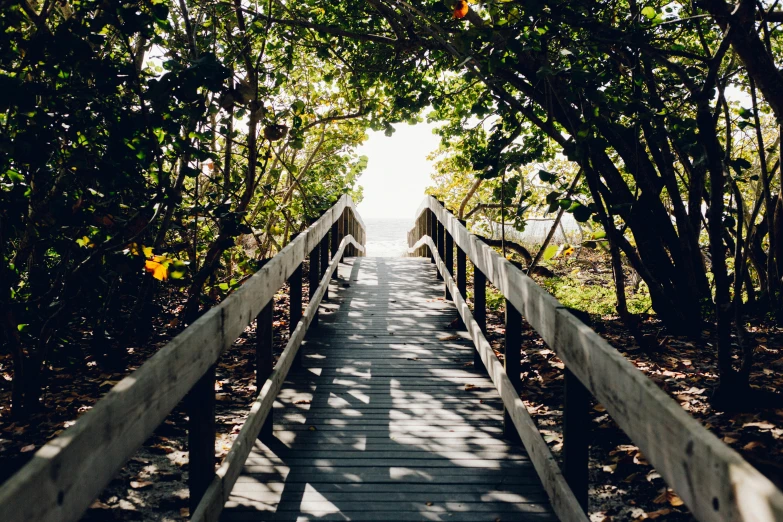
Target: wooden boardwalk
387	420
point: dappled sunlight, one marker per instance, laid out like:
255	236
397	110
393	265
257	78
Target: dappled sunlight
375	424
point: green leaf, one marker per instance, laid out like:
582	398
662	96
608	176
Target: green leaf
649	12
547	177
581	213
550	252
223	286
298	107
14	176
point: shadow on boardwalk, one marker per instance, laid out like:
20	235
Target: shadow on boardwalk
387	420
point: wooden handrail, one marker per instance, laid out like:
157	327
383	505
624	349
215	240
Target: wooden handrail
564	503
713	480
66	474
219	490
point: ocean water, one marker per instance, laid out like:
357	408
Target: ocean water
387	237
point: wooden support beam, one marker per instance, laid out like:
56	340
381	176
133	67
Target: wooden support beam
265	334
431	231
341	234
441	243
313	275
462	269
335	238
449	259
201	436
462	275
295	303
349	231
480	298
512	361
324	261
576	436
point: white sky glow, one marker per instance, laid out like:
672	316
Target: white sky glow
397	171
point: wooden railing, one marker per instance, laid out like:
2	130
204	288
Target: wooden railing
715	482
65	475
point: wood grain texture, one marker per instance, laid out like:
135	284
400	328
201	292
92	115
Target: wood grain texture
714	481
217	493
66	474
564	503
362	434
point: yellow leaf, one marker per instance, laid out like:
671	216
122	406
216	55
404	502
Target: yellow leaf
461	9
158	270
667	495
85	242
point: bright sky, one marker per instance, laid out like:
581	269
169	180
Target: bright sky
397	171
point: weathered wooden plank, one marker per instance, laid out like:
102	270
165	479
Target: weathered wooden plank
310	494
564	503
217	493
365	417
322	504
404	488
715	482
382	516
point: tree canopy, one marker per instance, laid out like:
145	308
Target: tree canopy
157	145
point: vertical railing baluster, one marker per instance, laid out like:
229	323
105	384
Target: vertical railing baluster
441	243
264	358
335	239
512	362
479	308
341	234
462	276
431	231
312	277
295	305
324	263
576	433
448	248
201	436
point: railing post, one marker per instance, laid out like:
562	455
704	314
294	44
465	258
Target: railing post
462	269
479	308
295	305
324	262
264	360
462	275
576	431
341	233
201	436
423	232
335	238
449	260
431	231
440	243
313	278
512	362
347	228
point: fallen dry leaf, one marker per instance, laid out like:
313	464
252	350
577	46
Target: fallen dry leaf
667	495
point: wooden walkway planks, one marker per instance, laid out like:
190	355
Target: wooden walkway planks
378	425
